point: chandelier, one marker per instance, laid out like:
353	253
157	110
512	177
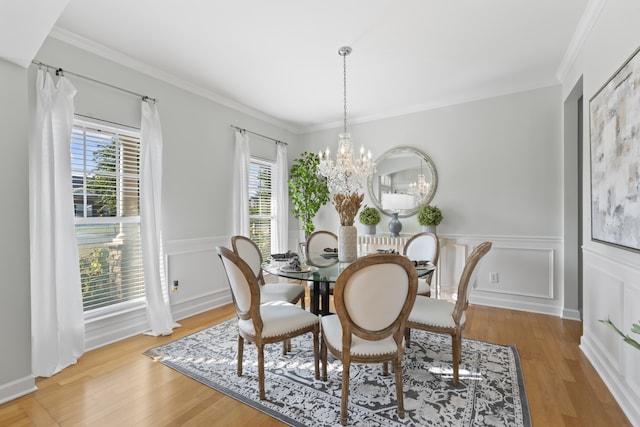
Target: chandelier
346	173
419	188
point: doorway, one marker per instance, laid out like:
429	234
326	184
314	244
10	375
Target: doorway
573	203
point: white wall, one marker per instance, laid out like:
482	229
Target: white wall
15	317
611	275
499	164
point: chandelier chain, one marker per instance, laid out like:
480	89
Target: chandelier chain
344	66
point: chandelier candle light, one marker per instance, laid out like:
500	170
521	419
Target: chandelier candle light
419	188
344	178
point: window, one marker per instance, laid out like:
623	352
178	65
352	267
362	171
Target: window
105	166
261	221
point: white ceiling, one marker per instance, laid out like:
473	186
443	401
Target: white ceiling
280	57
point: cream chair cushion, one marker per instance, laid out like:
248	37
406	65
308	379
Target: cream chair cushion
279	318
332	331
434	312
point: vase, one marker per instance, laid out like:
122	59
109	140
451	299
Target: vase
370	229
347	243
395	226
429	229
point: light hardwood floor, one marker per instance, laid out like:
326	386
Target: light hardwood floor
118	386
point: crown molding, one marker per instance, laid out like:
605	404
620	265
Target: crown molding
488	93
587	21
125	60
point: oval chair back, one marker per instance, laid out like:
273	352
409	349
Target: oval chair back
245	290
321	239
423	247
246	249
374	295
467	278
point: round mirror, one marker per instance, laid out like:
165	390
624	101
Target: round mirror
405	180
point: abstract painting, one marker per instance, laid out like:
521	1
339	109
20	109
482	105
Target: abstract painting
615	158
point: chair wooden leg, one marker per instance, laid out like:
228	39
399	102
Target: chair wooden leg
323	354
407	337
397	366
286	346
316	365
345	394
385	369
261	371
240	351
456	344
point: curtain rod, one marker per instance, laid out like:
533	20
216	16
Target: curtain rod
61	72
254	133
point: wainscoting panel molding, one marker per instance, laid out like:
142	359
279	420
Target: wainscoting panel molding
611	289
520	272
202	283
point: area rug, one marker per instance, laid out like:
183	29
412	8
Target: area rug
490	392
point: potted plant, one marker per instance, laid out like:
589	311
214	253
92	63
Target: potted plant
429	216
308	190
369	217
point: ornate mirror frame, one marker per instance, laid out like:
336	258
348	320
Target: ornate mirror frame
397	187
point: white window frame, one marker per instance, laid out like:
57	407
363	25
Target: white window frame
271	217
139	302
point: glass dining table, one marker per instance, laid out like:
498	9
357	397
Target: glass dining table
321	269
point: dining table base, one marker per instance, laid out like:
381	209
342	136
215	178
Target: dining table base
320	298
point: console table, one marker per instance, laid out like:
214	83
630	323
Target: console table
368	243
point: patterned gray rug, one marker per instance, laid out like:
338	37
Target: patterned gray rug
490	393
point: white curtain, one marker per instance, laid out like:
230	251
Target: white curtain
240	208
280	202
156	286
57	319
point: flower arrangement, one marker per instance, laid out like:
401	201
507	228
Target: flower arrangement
429	215
369	216
347	206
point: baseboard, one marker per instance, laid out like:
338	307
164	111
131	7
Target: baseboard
572	314
515	304
17	388
200	304
622	393
108	330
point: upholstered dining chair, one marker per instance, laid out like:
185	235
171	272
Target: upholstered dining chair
319	240
316	243
373	297
269	322
446	317
249	252
423	247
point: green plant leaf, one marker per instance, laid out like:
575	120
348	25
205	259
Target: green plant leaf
626	338
429	215
308	191
369	215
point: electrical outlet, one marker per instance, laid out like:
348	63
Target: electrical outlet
176	285
493	277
